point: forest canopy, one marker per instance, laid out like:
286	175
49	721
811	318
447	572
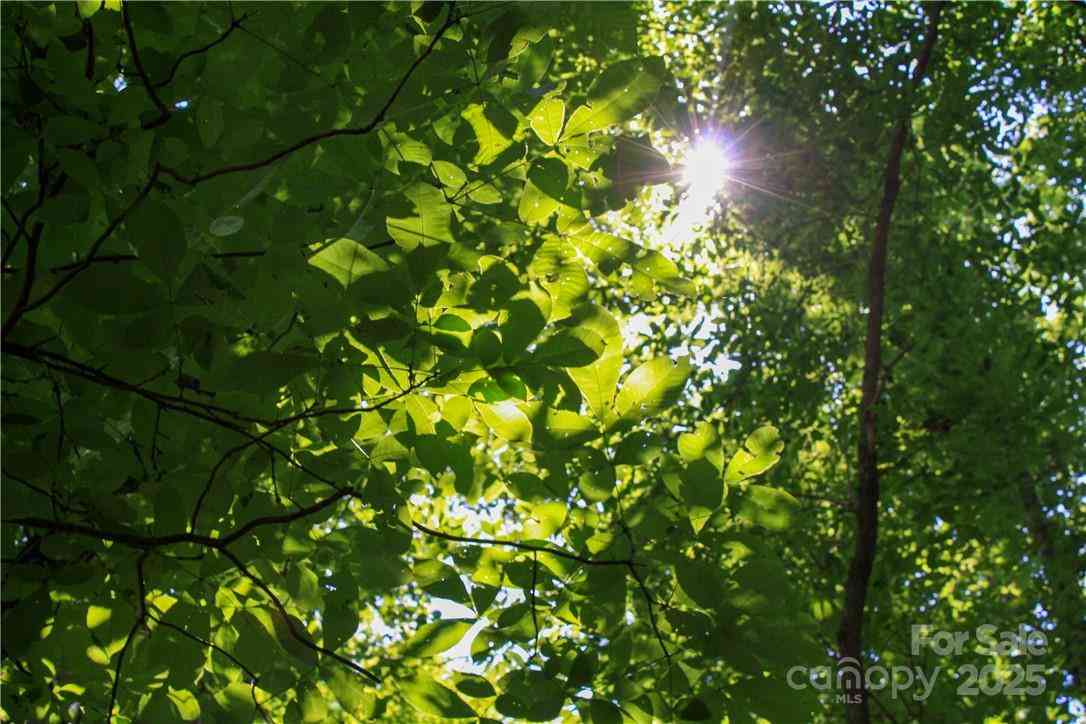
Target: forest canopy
510	361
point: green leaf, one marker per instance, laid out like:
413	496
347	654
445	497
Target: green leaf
562	429
652	387
351	693
493	126
474	686
513	33
545	518
701	581
237	701
621	92
771	508
314	708
226	225
294	638
185	704
570	348
262	372
598	380
523	318
608	252
583	669
159	236
440	579
546	120
638	448
703	442
601	711
433	638
87	8
209	121
506	420
762	450
429	697
426	220
702	490
511	383
97	616
80	167
545	191
347	261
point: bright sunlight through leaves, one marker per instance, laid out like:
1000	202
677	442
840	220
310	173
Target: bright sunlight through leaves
705	168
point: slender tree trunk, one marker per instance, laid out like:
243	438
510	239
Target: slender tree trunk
1066	601
850	634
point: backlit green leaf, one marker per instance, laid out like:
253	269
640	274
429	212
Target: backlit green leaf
433	699
433	638
547	118
761	451
621	92
652	387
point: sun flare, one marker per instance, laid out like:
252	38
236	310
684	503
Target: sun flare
704	173
705	168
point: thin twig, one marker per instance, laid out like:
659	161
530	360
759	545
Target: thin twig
253	678
324	135
88	31
163	111
531	602
141	617
234	25
88	260
297	635
522	546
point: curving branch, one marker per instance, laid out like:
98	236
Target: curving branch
531	602
22	301
133	48
253	678
234	25
88	260
140	541
33	239
88	67
244	254
650	604
141	618
207	411
626	562
376	121
294	632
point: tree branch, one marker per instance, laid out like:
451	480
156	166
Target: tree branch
88	68
140	619
234	25
253	678
522	546
297	635
325	135
164	112
89	259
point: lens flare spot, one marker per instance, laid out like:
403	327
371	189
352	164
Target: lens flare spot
705	168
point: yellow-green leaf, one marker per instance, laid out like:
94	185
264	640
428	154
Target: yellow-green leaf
652	387
431	698
507	420
547	118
